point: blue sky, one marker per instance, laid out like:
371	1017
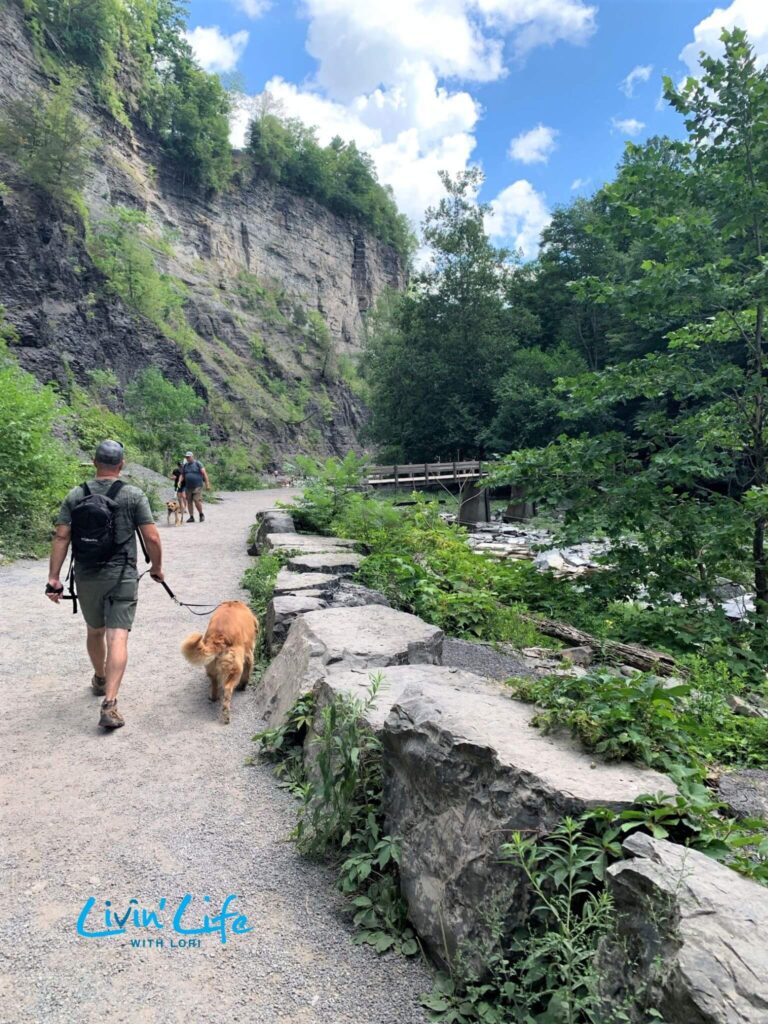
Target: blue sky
535	91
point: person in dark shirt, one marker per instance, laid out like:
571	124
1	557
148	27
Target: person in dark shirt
193	479
108	592
179	490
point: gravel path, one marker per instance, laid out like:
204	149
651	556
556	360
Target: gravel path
162	807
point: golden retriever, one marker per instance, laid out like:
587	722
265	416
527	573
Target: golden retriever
175	510
226	650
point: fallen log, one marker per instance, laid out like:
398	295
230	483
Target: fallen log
643	658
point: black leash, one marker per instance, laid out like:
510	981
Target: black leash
182	604
72	595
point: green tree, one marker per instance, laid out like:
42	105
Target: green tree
528	407
163	415
122	250
434	356
48	141
677	452
35	470
190	111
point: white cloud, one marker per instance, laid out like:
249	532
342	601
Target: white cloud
628	125
387	71
215	51
253	8
641	73
751	15
518	216
534	146
579	183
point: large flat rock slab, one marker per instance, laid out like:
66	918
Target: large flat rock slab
690	937
371	636
283	609
306	543
289	582
463	770
340	563
394	681
270	521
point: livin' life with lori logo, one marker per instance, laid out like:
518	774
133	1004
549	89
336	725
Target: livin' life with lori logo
183	918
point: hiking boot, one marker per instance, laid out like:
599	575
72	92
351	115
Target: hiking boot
110	716
202	518
99	685
191	519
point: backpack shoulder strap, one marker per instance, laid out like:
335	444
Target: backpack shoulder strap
115	489
86	489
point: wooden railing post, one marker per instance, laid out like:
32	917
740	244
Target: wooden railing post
426	474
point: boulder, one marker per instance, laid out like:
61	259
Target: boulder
343	593
306	543
395	680
288	582
368	637
463	770
283	609
745	792
689	940
339	563
270	521
744	707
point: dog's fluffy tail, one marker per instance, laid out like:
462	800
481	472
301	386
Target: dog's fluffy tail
195	649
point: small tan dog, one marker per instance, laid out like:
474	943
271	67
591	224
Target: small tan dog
175	509
226	650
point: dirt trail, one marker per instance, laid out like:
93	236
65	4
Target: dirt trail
161	808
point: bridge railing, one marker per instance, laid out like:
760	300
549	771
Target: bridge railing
423	473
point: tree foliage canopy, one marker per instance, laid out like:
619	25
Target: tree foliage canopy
337	175
625	369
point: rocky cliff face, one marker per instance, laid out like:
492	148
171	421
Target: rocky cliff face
253	261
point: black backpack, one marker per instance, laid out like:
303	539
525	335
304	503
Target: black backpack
94	527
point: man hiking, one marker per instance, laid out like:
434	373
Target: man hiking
192	481
100	519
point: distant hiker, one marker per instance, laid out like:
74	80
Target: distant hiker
193	479
100	518
179	490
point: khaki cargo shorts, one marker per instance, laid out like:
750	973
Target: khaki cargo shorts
108	600
196	493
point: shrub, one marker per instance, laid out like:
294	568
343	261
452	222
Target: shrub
35	469
160	413
48	141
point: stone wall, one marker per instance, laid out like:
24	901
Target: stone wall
464	768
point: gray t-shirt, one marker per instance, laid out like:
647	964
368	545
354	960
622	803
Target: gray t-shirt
132	511
193	474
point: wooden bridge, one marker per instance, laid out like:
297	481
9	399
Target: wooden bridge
423	473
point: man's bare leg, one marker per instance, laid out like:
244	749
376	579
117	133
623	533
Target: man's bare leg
117	659
97	650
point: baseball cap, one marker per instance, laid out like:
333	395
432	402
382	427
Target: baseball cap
186	454
109	453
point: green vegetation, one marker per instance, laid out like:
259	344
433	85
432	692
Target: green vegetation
548	970
624	370
140	65
35	469
340	816
337	175
545	970
49	143
124	250
162	414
